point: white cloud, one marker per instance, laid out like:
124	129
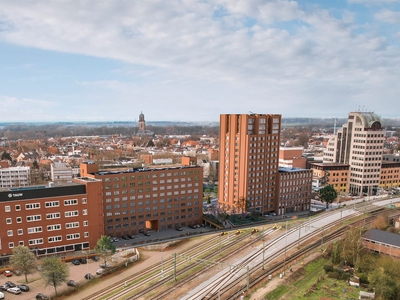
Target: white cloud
388	16
195	54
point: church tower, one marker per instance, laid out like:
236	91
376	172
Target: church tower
142	123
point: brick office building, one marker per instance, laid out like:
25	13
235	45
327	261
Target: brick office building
152	197
294	190
52	219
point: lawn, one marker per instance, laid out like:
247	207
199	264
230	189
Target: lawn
313	285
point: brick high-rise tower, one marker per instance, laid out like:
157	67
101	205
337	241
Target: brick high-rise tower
248	171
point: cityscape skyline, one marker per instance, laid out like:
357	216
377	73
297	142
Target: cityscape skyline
195	60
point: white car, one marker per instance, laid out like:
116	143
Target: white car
14	290
100	271
1	295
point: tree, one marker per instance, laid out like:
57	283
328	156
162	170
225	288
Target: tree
104	247
327	194
54	272
6	155
24	260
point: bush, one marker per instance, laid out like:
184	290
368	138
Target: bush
363	278
328	268
345	276
334	275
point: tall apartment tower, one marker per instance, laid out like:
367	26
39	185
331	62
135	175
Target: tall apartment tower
248	162
360	144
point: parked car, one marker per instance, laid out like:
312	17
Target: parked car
88	276
4	287
7	273
100	271
14	290
23	287
105	265
83	260
1	295
146	234
95	258
17	272
41	296
10	284
178	228
115	239
125	237
72	283
75	262
131	236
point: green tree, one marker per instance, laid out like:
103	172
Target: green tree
24	260
327	194
54	272
104	247
6	155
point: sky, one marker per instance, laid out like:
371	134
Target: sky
188	60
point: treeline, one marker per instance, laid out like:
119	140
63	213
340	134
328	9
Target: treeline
28	131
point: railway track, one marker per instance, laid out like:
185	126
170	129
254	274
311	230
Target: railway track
156	281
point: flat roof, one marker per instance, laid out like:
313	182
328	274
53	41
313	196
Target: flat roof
42	191
283	169
145	169
381	236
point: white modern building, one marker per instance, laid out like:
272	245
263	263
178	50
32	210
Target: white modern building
14	177
360	144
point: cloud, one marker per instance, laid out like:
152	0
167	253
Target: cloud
388	16
196	54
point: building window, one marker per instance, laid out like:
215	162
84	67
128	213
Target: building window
52	204
72	213
7	208
70	202
73	236
71	225
33	218
17	207
84	200
86	234
85	223
8	221
84	212
11	245
53	216
9	233
53	239
35	242
34	229
20	232
54	227
32	206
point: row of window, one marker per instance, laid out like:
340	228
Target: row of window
50	239
48	204
154	175
49	216
52	227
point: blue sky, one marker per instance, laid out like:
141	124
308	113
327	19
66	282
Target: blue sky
194	60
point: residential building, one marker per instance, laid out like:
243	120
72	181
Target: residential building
336	175
360	145
61	172
14	177
52	219
294	190
151	197
248	173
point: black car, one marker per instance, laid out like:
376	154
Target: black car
131	236
146	233
88	276
75	262
10	284
95	258
83	260
72	283
23	287
125	237
41	296
178	228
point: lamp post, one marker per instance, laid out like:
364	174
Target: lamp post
87	260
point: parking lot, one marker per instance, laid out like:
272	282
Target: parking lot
37	284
